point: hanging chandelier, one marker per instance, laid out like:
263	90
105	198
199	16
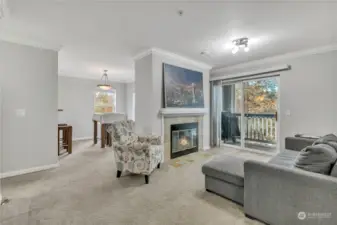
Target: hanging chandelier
104	86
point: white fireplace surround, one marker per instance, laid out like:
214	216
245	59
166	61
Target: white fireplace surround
190	115
177	112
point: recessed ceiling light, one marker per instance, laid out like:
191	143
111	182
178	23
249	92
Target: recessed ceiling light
204	52
180	12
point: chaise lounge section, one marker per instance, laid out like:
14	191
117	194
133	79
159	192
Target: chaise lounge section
225	176
275	192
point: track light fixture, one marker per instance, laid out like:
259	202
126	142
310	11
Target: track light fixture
239	44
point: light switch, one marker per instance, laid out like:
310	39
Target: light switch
21	112
288	112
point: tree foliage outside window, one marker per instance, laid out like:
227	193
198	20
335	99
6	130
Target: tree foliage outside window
260	96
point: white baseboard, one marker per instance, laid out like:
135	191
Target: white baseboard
207	148
82	138
29	170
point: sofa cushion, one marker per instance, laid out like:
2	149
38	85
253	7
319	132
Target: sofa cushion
318	158
334	171
226	168
284	158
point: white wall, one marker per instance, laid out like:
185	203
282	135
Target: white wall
149	92
28	79
130	90
144	111
308	91
76	98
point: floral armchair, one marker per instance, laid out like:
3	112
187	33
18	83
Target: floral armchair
133	153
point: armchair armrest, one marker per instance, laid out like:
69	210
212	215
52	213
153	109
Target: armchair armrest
276	194
151	139
132	146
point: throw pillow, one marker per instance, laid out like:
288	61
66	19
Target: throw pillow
334	170
325	139
318	158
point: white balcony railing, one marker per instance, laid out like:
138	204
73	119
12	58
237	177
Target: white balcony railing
259	127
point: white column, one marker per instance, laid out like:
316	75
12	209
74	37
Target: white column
149	89
144	111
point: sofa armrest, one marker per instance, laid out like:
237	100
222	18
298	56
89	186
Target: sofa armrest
298	143
276	194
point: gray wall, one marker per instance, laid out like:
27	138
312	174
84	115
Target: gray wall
308	91
28	79
76	98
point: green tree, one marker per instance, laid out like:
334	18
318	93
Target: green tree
261	96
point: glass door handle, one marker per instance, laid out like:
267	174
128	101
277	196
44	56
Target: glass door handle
276	116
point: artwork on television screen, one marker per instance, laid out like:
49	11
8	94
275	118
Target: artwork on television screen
183	88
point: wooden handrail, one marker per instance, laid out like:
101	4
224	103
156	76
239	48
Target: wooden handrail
267	115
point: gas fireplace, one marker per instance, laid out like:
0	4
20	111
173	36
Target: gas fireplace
184	139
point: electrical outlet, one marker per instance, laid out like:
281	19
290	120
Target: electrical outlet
21	112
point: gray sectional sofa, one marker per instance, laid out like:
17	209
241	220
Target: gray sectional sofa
275	192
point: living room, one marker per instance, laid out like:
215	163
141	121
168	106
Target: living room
183	112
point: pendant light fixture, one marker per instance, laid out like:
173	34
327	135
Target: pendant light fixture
104	86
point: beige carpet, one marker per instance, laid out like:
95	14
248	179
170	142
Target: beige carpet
84	190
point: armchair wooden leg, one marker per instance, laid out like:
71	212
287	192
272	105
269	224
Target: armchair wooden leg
147	179
119	173
158	166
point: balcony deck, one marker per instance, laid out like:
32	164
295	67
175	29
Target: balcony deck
271	148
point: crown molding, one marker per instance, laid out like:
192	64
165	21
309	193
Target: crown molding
273	59
111	80
142	54
167	54
17	38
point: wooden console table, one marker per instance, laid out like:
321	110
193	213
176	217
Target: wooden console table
102	119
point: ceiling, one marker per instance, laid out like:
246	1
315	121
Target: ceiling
106	34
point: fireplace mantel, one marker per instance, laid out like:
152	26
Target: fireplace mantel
170	112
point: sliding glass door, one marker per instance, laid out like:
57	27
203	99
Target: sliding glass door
246	113
260	113
231	114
